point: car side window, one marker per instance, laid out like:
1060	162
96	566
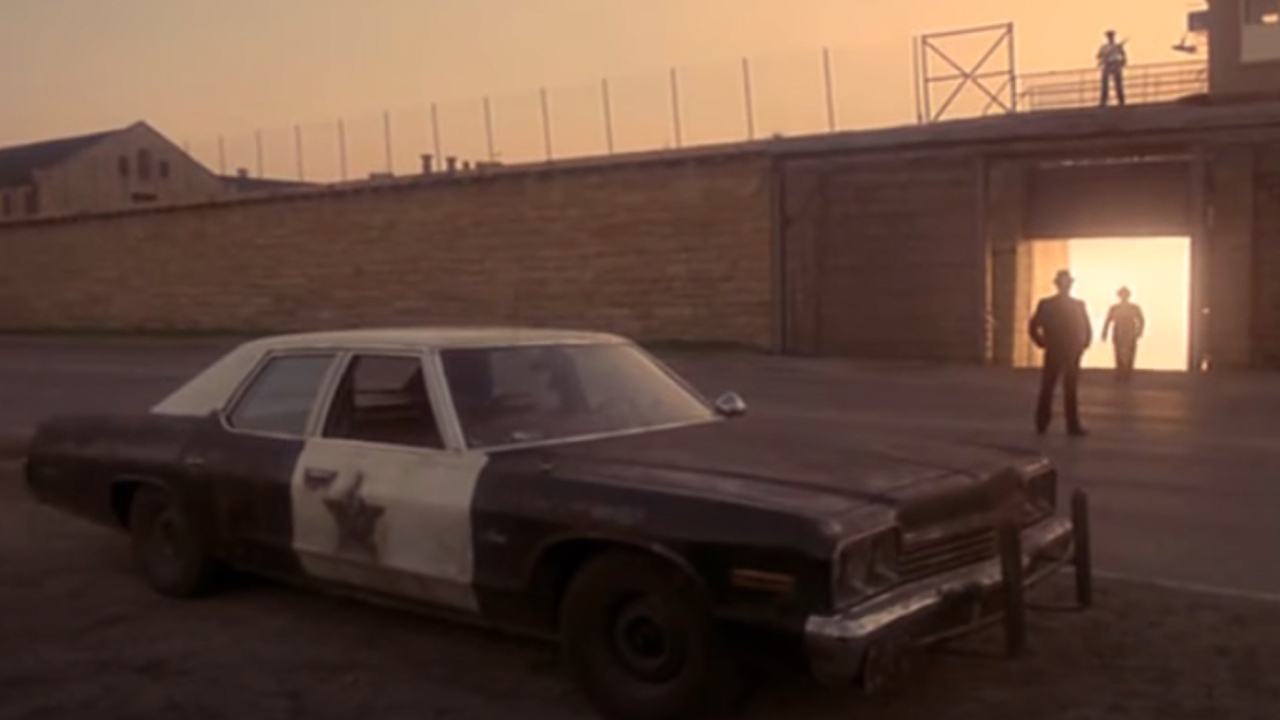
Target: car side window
280	397
384	399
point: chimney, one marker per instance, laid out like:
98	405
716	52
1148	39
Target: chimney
426	164
466	166
451	164
242	172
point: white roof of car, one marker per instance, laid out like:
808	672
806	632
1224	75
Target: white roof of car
433	337
212	386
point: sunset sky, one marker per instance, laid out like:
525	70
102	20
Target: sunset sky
197	69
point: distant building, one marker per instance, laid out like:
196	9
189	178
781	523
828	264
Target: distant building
128	168
108	171
243	183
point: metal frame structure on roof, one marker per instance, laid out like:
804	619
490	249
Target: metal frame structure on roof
930	75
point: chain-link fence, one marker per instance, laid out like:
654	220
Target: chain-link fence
798	94
827	90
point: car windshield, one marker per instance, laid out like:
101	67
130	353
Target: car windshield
513	395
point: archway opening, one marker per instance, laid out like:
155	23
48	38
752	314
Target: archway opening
1156	270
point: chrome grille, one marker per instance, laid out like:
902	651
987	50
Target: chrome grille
932	557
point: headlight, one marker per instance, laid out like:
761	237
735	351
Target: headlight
866	566
1042	490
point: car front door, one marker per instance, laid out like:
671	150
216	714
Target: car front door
380	499
246	457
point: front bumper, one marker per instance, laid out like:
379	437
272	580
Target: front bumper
947	605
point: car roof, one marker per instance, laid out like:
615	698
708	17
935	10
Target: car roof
209	389
433	337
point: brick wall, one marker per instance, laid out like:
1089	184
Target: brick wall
656	251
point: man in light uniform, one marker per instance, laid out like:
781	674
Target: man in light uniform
1112	59
1125	324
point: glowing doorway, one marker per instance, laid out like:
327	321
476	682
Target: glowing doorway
1157	270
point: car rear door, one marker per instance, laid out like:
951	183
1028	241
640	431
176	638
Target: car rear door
381	499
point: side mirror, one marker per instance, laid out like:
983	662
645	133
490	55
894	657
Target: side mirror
731	404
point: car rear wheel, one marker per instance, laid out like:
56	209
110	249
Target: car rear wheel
640	641
166	548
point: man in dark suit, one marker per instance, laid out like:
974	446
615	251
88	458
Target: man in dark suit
1061	327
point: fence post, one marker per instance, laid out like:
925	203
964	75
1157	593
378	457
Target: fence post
222	156
831	102
386	134
608	114
546	122
746	96
1011	576
297	148
435	131
488	129
342	150
675	106
258	139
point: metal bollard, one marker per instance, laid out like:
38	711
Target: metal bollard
1083	559
1015	604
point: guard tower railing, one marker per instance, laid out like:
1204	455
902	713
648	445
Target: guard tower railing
1150	83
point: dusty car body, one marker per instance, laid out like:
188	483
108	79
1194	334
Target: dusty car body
563	484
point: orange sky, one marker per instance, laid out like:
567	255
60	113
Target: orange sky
199	68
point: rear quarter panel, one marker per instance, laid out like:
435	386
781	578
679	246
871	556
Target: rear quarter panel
73	462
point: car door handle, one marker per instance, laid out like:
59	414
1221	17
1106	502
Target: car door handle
317	478
194	462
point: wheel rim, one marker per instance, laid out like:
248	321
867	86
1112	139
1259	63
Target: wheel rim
647	643
166	547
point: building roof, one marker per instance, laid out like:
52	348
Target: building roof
19	163
252	184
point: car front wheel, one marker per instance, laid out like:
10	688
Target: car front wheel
640	641
166	548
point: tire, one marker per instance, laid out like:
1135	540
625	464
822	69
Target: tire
638	638
166	548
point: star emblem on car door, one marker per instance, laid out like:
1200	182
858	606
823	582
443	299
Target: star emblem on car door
356	520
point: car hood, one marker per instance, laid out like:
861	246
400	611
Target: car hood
804	467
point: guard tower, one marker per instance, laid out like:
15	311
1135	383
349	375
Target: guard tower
1244	47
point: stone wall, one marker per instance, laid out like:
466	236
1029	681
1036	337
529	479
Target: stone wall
657	250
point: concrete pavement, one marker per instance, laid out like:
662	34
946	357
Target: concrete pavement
1182	470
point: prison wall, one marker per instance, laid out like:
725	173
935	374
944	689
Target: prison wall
659	251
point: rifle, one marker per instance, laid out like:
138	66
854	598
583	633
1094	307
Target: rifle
1102	59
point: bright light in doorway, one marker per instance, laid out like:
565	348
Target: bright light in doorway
1157	270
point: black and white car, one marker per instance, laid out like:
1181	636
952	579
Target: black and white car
568	485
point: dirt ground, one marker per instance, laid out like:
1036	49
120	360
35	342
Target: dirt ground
83	638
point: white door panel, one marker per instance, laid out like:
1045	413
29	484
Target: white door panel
387	518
